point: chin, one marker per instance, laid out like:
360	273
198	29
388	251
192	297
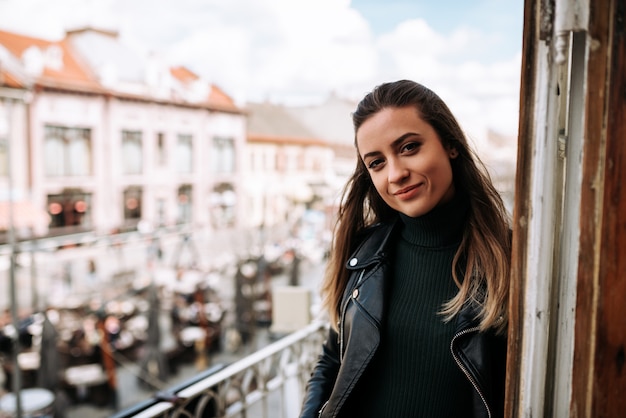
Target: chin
416	213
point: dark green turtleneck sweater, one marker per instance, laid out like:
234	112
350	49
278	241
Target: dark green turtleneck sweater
413	373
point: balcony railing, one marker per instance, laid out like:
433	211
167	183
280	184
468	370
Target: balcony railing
269	383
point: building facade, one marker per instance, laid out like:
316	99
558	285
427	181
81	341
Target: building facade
109	139
288	170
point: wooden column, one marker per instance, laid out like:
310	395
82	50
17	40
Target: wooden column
521	207
599	385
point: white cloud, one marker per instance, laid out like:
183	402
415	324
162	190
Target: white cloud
481	95
295	50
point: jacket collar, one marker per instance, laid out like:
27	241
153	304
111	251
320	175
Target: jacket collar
372	247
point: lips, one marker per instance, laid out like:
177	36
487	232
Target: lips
407	192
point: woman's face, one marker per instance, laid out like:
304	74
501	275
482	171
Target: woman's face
406	160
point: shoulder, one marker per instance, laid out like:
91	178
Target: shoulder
371	242
372	231
378	232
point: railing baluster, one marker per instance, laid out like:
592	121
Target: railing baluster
252	379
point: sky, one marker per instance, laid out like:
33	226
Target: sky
301	51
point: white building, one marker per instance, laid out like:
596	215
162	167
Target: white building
288	169
111	137
15	188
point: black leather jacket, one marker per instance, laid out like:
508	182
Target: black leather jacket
345	354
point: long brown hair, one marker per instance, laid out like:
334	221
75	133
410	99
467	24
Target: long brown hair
485	246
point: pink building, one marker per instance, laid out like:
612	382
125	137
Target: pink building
104	137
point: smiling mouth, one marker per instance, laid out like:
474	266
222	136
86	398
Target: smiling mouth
406	190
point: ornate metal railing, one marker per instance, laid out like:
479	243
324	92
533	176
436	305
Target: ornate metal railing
266	384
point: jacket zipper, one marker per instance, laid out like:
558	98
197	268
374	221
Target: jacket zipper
319	414
343	317
464	370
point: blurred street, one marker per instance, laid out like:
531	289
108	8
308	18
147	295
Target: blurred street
132	387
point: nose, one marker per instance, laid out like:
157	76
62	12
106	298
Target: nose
397	172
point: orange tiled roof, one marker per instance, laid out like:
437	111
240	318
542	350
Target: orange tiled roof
71	75
74	76
183	74
9	80
218	98
286	140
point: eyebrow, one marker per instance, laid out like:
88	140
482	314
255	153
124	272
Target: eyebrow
394	143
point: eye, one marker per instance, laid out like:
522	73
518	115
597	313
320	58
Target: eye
374	163
410	147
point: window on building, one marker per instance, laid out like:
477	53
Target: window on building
184	154
280	161
71	208
132	205
161	149
223	155
4	140
184	204
4	158
132	152
301	160
317	164
67	151
161	212
256	159
223	200
291	160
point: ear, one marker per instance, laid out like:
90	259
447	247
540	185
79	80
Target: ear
453	153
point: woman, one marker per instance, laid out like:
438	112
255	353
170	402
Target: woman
417	282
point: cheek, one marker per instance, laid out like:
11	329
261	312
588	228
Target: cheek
444	174
379	182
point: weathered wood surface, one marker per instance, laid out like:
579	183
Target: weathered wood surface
608	398
599	369
598	227
521	207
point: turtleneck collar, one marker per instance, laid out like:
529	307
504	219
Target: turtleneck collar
440	227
